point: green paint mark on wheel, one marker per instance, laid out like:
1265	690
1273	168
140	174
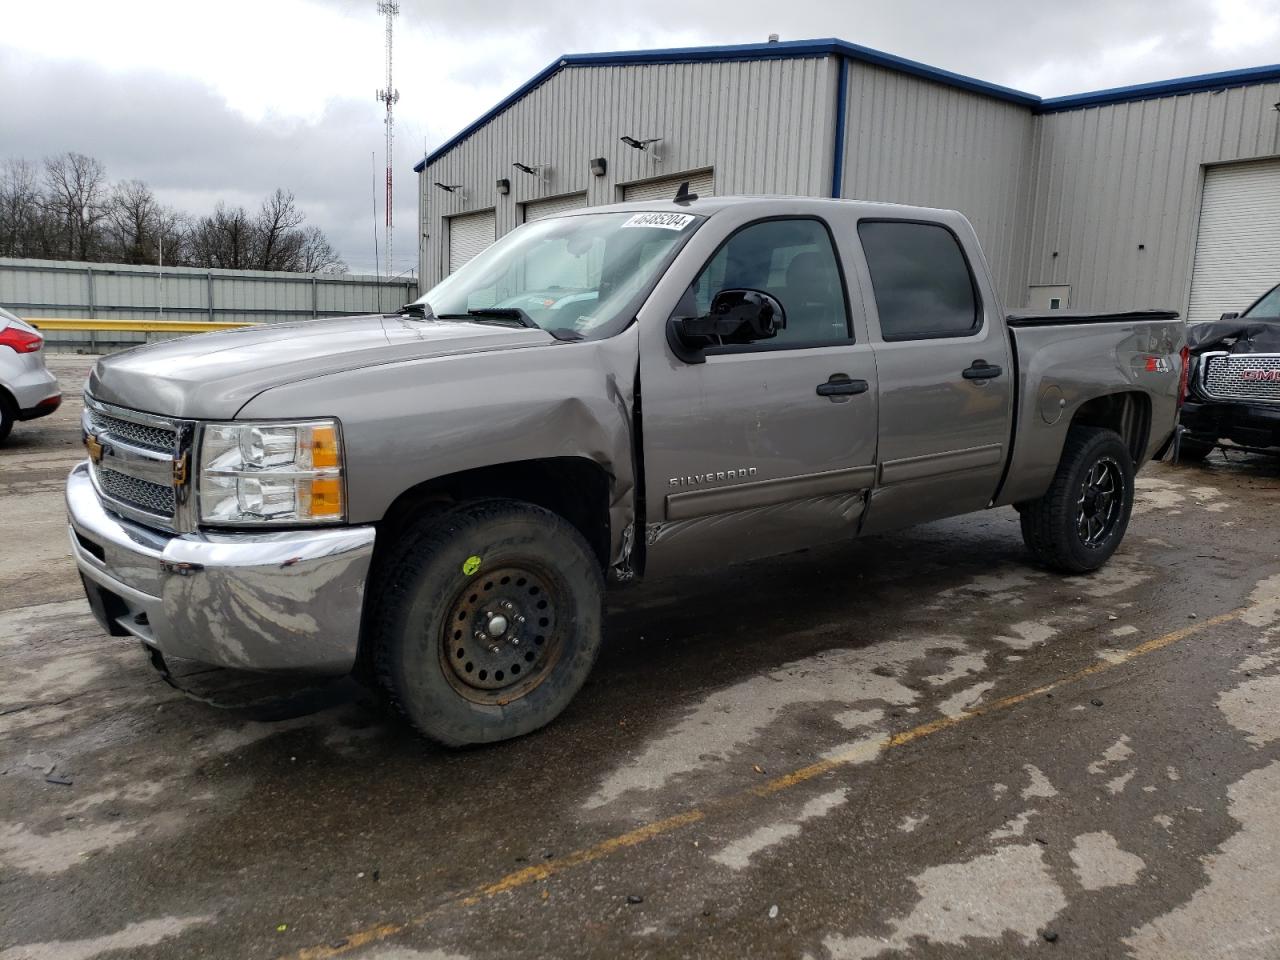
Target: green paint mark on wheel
470	565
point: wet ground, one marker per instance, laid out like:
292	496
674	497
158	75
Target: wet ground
917	746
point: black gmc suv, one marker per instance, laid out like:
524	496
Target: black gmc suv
1234	389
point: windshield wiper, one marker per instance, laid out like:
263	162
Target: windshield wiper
501	314
505	313
509	315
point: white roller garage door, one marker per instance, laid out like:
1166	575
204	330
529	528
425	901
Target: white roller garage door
536	209
701	182
1238	247
470	233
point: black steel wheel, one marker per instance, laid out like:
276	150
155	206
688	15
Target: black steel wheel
487	620
1081	519
501	637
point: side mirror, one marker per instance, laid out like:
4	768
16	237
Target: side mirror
736	317
1230	316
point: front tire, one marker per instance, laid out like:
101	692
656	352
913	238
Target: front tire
1079	522
489	622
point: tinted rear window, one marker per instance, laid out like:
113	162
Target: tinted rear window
922	284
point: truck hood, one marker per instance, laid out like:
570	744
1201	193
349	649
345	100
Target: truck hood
1242	335
212	375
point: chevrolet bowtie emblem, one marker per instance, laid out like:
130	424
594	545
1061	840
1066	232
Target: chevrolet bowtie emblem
94	447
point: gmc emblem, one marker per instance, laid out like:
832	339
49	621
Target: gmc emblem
1265	376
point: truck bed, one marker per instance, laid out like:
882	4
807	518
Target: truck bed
1066	359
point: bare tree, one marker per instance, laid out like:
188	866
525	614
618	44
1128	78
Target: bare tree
70	211
173	232
223	239
133	234
318	256
277	239
21	210
76	198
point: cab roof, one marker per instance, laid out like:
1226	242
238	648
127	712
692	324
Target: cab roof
767	203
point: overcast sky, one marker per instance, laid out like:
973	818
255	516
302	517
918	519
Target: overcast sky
228	100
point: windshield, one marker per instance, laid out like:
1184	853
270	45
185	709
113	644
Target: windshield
1268	307
575	276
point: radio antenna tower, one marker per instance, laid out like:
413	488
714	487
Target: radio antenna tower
390	96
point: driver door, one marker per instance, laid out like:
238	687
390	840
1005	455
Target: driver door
767	447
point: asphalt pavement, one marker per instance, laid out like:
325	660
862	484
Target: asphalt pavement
918	745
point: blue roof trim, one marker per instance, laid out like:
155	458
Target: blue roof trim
1162	88
790	49
785	50
938	75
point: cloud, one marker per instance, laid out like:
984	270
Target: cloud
230	101
194	149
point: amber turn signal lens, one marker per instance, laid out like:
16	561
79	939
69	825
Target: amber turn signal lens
324	447
326	497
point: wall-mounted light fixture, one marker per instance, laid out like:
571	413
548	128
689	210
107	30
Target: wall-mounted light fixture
504	186
533	169
599	166
449	187
645	144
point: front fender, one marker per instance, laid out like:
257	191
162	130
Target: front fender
410	422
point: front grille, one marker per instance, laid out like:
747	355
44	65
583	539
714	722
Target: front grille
132	482
138	494
1243	376
139	434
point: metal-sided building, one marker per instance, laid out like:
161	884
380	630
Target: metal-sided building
1163	194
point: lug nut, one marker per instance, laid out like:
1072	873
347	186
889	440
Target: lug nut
508	605
481	636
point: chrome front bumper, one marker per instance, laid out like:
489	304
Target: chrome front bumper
276	601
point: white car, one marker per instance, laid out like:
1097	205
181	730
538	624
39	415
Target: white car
27	388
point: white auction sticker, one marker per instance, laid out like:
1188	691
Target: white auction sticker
663	221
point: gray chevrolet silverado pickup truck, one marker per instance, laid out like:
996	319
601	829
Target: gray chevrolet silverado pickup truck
435	499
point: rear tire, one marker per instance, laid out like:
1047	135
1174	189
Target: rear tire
1194	451
489	621
8	414
1079	522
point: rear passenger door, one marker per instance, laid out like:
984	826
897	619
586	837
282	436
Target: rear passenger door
946	375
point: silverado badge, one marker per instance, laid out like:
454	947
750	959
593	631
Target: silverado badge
739	473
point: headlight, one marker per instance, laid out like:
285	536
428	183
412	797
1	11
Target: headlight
271	473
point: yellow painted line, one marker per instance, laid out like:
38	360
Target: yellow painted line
135	326
631	838
858	753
